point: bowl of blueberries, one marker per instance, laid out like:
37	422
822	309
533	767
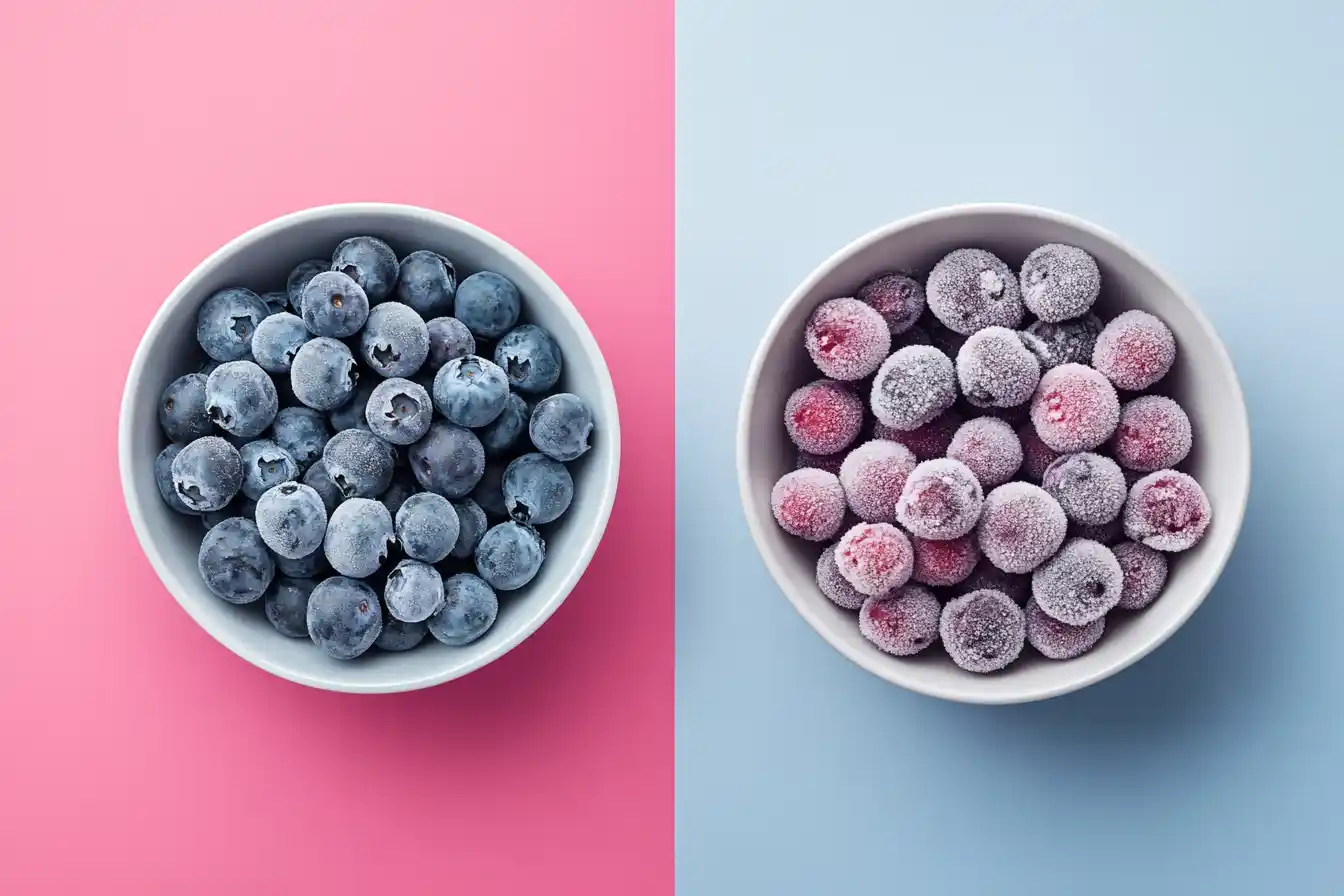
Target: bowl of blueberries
993	454
369	447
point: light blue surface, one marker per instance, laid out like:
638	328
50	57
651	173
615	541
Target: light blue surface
1208	134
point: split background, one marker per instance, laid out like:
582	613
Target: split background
136	753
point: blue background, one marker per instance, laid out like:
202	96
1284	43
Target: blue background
1209	134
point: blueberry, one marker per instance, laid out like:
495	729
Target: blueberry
509	555
399	411
560	426
163	478
344	617
501	435
286	605
320	481
207	474
334	305
537	489
324	374
359	536
266	465
397	636
403	487
277	340
449	460
427	527
414	591
359	463
488	304
370	262
292	519
234	562
226	321
449	338
352	414
470	391
427	282
241	399
394	341
303	432
471	525
469	609
182	409
530	357
298	280
307	567
489	492
276	303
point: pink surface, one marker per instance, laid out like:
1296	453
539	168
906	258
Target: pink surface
137	754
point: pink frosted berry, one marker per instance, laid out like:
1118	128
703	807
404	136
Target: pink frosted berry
989	448
996	370
982	631
970	289
1134	350
1020	527
835	586
846	339
875	558
809	504
1058	640
943	564
897	297
903	623
1145	573
913	387
1090	487
873	475
1036	455
1154	434
928	441
1080	584
1167	511
941	500
823	417
987	575
1075	408
828	462
1059	282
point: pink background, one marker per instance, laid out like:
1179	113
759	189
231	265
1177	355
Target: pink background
134	750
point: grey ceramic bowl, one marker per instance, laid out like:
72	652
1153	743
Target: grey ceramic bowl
264	256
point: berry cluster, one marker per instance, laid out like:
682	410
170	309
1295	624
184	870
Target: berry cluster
1017	479
367	469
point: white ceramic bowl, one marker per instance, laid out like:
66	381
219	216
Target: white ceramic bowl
263	257
1203	381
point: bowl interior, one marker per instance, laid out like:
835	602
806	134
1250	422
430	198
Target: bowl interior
261	260
1202	380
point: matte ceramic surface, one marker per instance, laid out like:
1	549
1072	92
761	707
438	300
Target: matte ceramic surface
1203	381
261	258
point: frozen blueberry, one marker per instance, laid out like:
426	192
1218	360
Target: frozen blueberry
207	473
182	413
509	555
1066	342
308	567
1154	433
427	527
449	460
1080	584
529	357
395	340
334	305
502	435
983	631
427	282
1165	510
875	558
303	432
449	338
413	591
489	492
1059	282
1075	408
971	289
941	500
359	537
298	280
241	399
1021	526
470	391
873	476
320	481
1058	640
234	562
469	609
370	262
472	525
996	370
1135	350
897	297
1145	573
359	463
403	487
353	414
398	636
942	564
1089	487
163	478
226	321
834	585
989	448
560	426
398	410
823	417
286	605
344	617
292	519
265	465
809	503
488	304
537	489
913	387
903	623
277	340
846	339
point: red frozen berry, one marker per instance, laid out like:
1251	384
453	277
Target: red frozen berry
903	623
942	564
990	448
1134	350
1074	408
897	297
1020	527
846	339
823	417
928	441
1167	511
1154	434
1036	455
1058	640
982	631
872	476
941	500
809	504
1145	572
875	558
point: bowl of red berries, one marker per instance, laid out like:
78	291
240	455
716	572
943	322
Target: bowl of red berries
992	453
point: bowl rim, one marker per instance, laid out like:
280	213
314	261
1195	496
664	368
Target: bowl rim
607	485
893	672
